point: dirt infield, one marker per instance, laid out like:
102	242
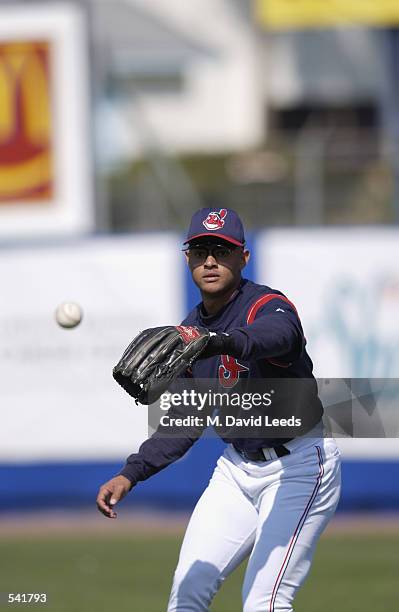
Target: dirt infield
92	523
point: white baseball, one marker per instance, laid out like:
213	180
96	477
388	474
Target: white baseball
68	315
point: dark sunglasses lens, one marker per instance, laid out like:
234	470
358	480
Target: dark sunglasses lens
198	253
221	252
218	252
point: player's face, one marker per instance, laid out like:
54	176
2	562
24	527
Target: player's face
216	265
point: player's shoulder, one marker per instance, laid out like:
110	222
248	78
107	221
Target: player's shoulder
262	297
256	290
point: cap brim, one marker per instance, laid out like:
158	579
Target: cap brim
209	235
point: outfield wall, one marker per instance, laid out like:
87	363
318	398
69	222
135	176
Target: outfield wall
66	427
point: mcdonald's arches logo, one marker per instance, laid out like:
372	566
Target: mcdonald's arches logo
26	155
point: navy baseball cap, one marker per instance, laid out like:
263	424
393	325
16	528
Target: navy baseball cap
223	223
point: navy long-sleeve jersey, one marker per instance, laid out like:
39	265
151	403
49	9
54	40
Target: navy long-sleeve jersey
268	343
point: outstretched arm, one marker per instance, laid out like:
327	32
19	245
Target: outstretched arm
164	447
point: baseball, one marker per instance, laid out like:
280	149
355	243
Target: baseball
68	315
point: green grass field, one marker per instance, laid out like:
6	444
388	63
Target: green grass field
132	573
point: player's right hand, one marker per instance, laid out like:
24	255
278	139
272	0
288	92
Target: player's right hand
111	493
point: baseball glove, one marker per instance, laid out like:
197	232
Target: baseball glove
156	357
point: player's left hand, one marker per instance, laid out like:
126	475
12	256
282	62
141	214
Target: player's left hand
156	357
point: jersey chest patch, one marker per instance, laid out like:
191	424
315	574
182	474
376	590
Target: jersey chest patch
229	371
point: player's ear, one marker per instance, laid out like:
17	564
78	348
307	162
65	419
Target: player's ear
245	256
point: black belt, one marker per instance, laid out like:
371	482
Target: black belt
258	455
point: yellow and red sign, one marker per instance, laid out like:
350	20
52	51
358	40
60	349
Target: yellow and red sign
26	155
297	14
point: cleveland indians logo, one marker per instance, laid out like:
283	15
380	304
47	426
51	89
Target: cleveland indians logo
229	371
215	220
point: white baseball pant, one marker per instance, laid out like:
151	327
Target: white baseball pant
274	512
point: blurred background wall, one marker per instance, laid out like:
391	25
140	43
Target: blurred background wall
117	120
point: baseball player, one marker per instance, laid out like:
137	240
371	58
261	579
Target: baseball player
269	498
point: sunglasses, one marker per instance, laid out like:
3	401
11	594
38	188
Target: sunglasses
198	254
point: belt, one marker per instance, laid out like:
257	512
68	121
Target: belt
265	454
